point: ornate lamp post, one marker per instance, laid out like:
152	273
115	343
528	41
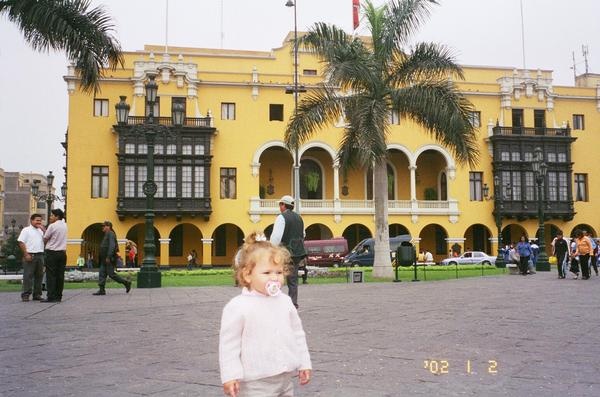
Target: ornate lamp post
499	204
540	168
296	89
47	197
149	275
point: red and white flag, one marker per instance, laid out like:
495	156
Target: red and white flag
355	8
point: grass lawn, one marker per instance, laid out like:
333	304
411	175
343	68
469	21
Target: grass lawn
213	277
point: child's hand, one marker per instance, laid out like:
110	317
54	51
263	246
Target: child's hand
304	375
231	388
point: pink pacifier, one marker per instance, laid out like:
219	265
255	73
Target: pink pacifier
273	288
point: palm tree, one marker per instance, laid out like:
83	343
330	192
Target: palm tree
67	25
369	78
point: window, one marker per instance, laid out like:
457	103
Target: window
539	121
578	122
171	181
228	183
159	179
476	186
581	187
394	117
159	149
99	181
141	179
100	107
529	186
129	178
186	181
171	149
557	186
227	111
475	119
517	121
156	110
309	72
130	148
186	149
275	112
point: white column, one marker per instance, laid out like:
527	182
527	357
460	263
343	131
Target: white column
413	182
336	181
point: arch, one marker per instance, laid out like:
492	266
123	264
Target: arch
512	233
318	231
267	145
433	238
92	237
269	230
137	234
311	168
320	145
184	238
396	229
477	238
355	233
227	238
583	226
400	148
450	164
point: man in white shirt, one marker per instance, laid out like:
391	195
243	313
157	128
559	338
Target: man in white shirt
56	255
31	242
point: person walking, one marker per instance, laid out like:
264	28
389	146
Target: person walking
560	248
108	258
31	242
56	255
593	255
289	232
524	251
262	345
583	252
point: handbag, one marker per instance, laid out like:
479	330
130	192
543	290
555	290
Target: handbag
552	260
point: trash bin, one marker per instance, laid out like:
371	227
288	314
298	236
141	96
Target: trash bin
406	254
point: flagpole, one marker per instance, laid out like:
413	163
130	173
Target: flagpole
167	27
523	36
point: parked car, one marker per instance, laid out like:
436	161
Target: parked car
364	252
470	258
326	252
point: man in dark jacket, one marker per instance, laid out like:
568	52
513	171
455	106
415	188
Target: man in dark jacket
289	232
108	258
560	248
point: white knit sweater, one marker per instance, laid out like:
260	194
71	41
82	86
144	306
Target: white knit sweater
261	336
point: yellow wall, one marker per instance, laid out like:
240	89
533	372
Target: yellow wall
226	76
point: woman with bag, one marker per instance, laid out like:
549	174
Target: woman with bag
525	252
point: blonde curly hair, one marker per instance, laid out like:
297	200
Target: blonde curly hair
255	247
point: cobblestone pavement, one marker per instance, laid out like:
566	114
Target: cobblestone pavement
492	336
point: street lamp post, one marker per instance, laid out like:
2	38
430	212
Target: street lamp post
540	169
498	204
296	89
149	275
48	197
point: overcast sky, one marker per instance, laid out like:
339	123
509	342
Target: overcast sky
33	98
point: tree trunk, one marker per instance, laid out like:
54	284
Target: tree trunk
382	266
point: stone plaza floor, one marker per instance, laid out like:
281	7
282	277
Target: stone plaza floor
491	336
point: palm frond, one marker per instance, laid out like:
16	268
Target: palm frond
427	61
402	19
364	141
347	62
442	111
317	109
67	25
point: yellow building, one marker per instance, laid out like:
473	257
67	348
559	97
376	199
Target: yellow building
219	175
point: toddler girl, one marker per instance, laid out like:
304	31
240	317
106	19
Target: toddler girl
261	344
